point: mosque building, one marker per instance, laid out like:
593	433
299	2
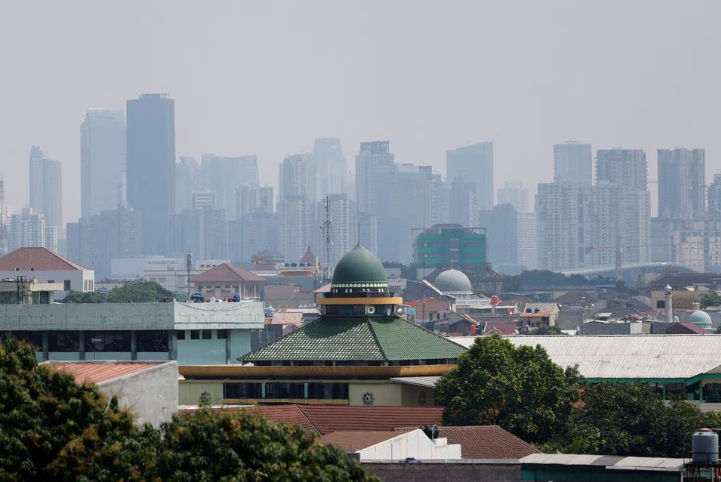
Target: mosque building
359	351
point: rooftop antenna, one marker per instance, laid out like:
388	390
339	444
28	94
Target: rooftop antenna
325	229
188	265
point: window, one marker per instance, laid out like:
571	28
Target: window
205	334
152	340
64	341
194	334
33	337
180	335
222	334
242	390
327	391
66	285
103	341
284	390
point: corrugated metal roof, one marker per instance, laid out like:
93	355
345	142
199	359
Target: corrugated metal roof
628	356
608	461
98	372
426	382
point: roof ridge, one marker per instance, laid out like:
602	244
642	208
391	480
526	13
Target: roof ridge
375	338
305	415
243	357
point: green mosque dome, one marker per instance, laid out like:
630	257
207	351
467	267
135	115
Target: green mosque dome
359	267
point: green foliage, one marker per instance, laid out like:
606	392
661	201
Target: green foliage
131	292
711	298
548	330
212	446
630	419
54	429
518	388
139	292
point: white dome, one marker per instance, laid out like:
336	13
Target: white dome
453	281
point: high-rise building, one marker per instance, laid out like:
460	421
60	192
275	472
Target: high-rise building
296	222
515	194
340	211
558	232
95	240
46	195
225	175
202	231
150	152
527	255
188	178
102	161
698	182
681	183
714	197
572	162
253	233
501	225
204	199
331	167
474	164
27	229
297	177
440	197
251	199
627	169
373	165
461	203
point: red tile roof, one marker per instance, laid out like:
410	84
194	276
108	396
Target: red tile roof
353	440
328	419
98	372
39	259
506	328
308	257
487	442
324	419
227	272
684	328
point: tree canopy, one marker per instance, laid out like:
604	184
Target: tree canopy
522	390
54	429
131	292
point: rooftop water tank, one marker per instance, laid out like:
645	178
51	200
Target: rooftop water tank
704	447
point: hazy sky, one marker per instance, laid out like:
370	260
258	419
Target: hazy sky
267	78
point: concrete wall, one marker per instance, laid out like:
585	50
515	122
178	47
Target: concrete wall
414	444
445	472
133	316
76	278
384	393
190	391
151	394
412	396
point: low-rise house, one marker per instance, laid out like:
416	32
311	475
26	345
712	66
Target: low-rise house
148	389
228	280
44	266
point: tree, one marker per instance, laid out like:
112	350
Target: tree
518	388
244	446
53	428
87	297
710	298
131	292
548	330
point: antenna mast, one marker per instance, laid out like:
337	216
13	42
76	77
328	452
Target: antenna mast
325	229
188	265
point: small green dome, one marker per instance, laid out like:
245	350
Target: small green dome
359	267
700	319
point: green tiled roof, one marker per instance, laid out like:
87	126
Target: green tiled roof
357	339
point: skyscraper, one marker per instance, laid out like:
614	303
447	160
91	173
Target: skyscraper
297	177
151	166
296	189
474	164
373	164
501	225
46	187
225	175
572	162
514	193
558	226
627	170
343	229
331	167
102	161
188	178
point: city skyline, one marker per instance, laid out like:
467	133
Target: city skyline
524	95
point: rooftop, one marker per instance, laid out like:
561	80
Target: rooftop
227	272
357	339
36	259
359	267
633	357
100	371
